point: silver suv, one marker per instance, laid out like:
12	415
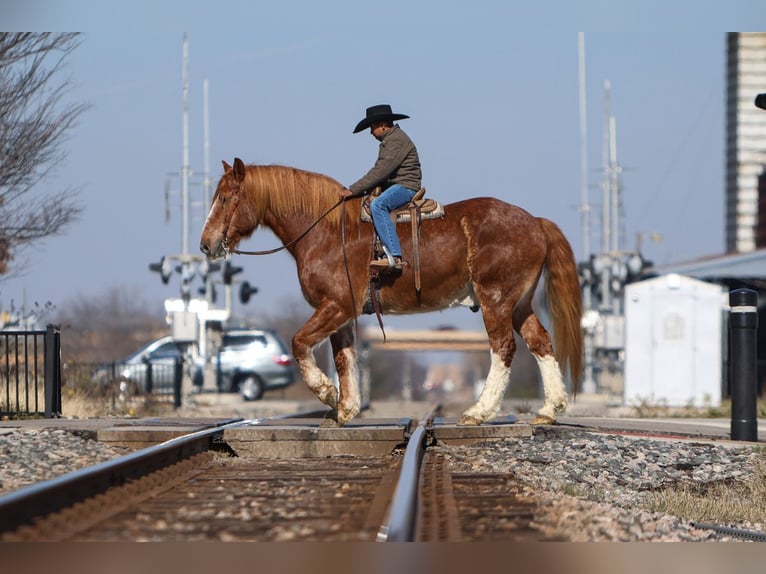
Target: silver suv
159	358
251	361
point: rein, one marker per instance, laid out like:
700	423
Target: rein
348	273
286	245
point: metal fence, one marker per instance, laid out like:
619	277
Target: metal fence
30	373
160	379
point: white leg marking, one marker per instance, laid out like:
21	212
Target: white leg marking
555	396
493	392
350	399
317	381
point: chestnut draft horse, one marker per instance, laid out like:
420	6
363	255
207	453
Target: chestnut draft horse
483	253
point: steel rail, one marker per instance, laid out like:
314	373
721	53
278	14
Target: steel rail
753	535
24	505
400	523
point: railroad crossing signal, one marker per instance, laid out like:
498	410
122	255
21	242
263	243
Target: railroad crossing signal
164	268
229	271
245	291
204	268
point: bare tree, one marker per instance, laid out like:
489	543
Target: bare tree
34	124
110	326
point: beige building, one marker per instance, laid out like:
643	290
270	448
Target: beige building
745	137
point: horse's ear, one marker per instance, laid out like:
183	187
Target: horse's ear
239	169
226	167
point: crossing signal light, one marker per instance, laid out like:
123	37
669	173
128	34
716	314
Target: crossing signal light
164	268
229	271
206	267
245	291
203	291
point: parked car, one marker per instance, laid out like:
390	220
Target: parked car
250	362
161	355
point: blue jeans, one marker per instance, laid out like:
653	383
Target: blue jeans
381	208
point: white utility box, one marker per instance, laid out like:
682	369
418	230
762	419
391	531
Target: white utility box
185	328
673	340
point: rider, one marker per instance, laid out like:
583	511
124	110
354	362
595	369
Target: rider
397	171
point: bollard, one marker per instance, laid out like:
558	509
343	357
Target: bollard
149	368
52	366
743	363
178	377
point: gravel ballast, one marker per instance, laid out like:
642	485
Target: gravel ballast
31	456
596	486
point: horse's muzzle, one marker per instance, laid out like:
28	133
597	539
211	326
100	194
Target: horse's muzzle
212	254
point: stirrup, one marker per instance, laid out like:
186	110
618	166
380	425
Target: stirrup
392	263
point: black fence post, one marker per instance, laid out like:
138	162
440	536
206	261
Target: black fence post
218	372
178	375
52	350
149	376
743	362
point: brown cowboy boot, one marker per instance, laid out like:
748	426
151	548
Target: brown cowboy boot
383	263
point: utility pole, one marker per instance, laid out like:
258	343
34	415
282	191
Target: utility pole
190	316
611	208
185	167
614	186
184	311
589	384
584	203
606	195
605	273
206	183
606	205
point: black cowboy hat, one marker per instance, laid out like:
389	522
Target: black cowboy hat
380	113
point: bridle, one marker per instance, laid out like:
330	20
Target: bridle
341	201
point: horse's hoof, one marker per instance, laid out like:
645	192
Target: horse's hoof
343	419
329	423
468	420
330	399
543	420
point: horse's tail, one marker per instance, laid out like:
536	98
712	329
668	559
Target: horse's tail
562	290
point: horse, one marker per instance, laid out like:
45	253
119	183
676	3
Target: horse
484	253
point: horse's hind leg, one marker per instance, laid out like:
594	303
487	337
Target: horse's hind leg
492	394
539	342
503	347
349	402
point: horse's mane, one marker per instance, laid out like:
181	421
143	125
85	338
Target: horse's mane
285	191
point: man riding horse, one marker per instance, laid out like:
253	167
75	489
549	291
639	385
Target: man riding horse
397	171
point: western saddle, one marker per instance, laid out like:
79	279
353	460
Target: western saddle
418	209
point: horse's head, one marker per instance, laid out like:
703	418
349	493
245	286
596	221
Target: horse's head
223	230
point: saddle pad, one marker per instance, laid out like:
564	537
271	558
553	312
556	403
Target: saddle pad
429	209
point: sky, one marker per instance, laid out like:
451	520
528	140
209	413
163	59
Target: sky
492	91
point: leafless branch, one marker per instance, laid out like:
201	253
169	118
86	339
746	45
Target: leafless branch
35	121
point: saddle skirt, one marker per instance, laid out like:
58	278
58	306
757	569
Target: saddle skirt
422	207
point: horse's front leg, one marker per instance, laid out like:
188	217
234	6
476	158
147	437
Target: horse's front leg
344	355
320	325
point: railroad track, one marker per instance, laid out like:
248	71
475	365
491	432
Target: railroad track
282	479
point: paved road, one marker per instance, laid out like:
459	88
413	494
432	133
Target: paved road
694	427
